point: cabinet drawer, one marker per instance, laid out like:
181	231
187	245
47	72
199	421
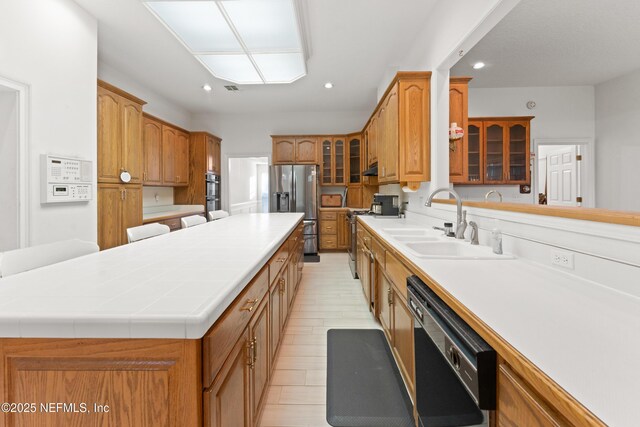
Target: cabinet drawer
173	223
397	272
293	241
378	251
221	338
328	242
328	215
277	262
328	227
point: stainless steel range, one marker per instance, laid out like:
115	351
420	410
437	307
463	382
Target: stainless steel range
353	251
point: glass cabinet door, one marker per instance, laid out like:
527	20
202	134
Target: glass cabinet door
339	147
518	153
494	156
474	138
327	154
354	161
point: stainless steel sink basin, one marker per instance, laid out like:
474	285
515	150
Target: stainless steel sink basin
453	250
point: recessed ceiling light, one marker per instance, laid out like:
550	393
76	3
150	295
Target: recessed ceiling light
478	65
207	88
328	85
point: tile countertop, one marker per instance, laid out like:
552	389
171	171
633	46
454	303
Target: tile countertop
583	335
171	286
153	212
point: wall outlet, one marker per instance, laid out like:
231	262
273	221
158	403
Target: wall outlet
562	258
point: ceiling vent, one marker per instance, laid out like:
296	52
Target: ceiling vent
232	88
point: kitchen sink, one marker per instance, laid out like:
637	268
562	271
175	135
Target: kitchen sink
416	239
395	232
453	250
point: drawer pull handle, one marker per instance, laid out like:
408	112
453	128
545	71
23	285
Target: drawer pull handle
251	353
249	305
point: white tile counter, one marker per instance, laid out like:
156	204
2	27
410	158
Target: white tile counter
171	286
583	335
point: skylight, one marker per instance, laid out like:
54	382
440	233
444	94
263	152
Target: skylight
241	41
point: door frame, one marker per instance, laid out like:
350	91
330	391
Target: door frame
225	173
22	171
586	167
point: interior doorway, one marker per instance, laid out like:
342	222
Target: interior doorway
248	185
564	172
13	165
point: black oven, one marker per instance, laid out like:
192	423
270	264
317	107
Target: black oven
455	368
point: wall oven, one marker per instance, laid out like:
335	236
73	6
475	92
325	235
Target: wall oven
455	367
212	196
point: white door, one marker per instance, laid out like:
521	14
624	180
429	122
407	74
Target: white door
562	177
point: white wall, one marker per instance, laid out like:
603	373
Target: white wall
156	105
560	112
8	170
164	196
618	143
249	134
52	47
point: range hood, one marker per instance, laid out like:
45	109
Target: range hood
372	171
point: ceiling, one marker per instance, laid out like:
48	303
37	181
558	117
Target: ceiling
557	43
350	43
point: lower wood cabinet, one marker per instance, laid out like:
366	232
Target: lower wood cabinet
226	402
519	405
334	229
259	359
385	296
403	339
274	320
119	208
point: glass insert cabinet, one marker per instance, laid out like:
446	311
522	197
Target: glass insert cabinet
498	151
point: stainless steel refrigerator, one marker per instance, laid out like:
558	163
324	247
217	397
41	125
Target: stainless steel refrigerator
294	188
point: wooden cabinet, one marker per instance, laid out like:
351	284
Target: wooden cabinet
119	135
343	230
204	157
354	154
274	321
295	150
259	366
334	167
119	207
175	156
519	405
226	402
497	151
402	327
384	302
152	149
459	114
398	132
182	158
334	229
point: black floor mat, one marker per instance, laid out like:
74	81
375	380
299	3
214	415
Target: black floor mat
312	258
364	386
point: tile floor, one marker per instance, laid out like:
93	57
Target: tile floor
328	298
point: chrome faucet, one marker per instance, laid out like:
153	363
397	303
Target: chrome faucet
474	233
486	196
459	228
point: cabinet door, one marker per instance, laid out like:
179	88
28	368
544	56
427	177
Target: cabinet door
343	231
132	151
274	321
182	158
403	338
169	136
494	152
284	298
210	144
109	135
355	161
152	149
307	150
293	277
385	296
475	152
391	136
226	401
354	196
283	150
372	148
109	219
381	142
217	164
339	167
518	405
131	209
259	368
518	171
327	161
414	147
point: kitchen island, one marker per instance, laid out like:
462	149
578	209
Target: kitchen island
176	330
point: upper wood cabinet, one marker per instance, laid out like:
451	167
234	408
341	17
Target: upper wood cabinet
119	134
459	114
182	158
497	151
295	150
166	153
354	154
398	131
204	157
334	167
152	149
213	154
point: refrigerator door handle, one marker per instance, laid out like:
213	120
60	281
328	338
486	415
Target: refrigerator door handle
293	201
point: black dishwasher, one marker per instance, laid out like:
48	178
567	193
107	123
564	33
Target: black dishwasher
455	368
